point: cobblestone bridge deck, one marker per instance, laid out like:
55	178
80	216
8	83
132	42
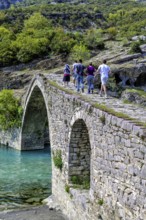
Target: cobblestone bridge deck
134	111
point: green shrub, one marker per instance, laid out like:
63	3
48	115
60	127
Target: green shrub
93	39
112	32
80	52
100	202
83	182
86	182
67	188
102	119
10	110
135	47
57	158
76	180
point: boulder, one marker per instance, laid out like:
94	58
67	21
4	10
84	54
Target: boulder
143	48
134	96
51	63
141	37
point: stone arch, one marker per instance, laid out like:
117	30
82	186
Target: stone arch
35	124
80	148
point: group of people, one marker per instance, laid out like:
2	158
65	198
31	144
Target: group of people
78	72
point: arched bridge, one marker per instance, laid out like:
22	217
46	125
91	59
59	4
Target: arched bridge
101	150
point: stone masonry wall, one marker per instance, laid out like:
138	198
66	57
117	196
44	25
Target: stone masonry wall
117	161
79	152
10	138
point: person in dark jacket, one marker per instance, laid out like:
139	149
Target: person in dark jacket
80	73
66	76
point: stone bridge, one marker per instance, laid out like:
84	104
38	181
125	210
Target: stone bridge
101	146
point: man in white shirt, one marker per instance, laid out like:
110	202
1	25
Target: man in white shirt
104	71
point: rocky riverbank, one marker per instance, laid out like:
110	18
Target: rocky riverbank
35	213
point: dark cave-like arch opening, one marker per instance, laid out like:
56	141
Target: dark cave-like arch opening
35	129
141	80
79	155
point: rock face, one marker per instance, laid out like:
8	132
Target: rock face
4	4
16	80
133	96
131	74
126	58
143	48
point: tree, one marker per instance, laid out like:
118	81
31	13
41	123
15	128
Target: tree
29	47
93	39
6	51
61	42
37	21
80	52
10	110
112	32
33	41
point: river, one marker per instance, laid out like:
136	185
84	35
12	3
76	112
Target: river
25	177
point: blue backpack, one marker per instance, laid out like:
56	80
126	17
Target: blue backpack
80	69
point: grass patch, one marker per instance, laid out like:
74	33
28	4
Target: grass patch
81	182
67	188
138	91
125	101
111	111
100	202
76	180
57	158
102	119
61	87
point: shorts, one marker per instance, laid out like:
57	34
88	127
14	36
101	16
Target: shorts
104	80
66	78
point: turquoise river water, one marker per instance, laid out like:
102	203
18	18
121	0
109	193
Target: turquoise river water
25	177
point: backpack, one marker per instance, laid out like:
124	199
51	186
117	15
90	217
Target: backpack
79	69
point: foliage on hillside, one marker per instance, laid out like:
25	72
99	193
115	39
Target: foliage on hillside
42	30
10	110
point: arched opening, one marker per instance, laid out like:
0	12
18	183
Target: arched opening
79	155
117	78
35	130
141	80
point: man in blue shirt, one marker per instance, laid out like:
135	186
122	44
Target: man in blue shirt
80	72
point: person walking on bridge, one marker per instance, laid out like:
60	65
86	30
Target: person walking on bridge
104	71
80	73
90	77
66	76
74	72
